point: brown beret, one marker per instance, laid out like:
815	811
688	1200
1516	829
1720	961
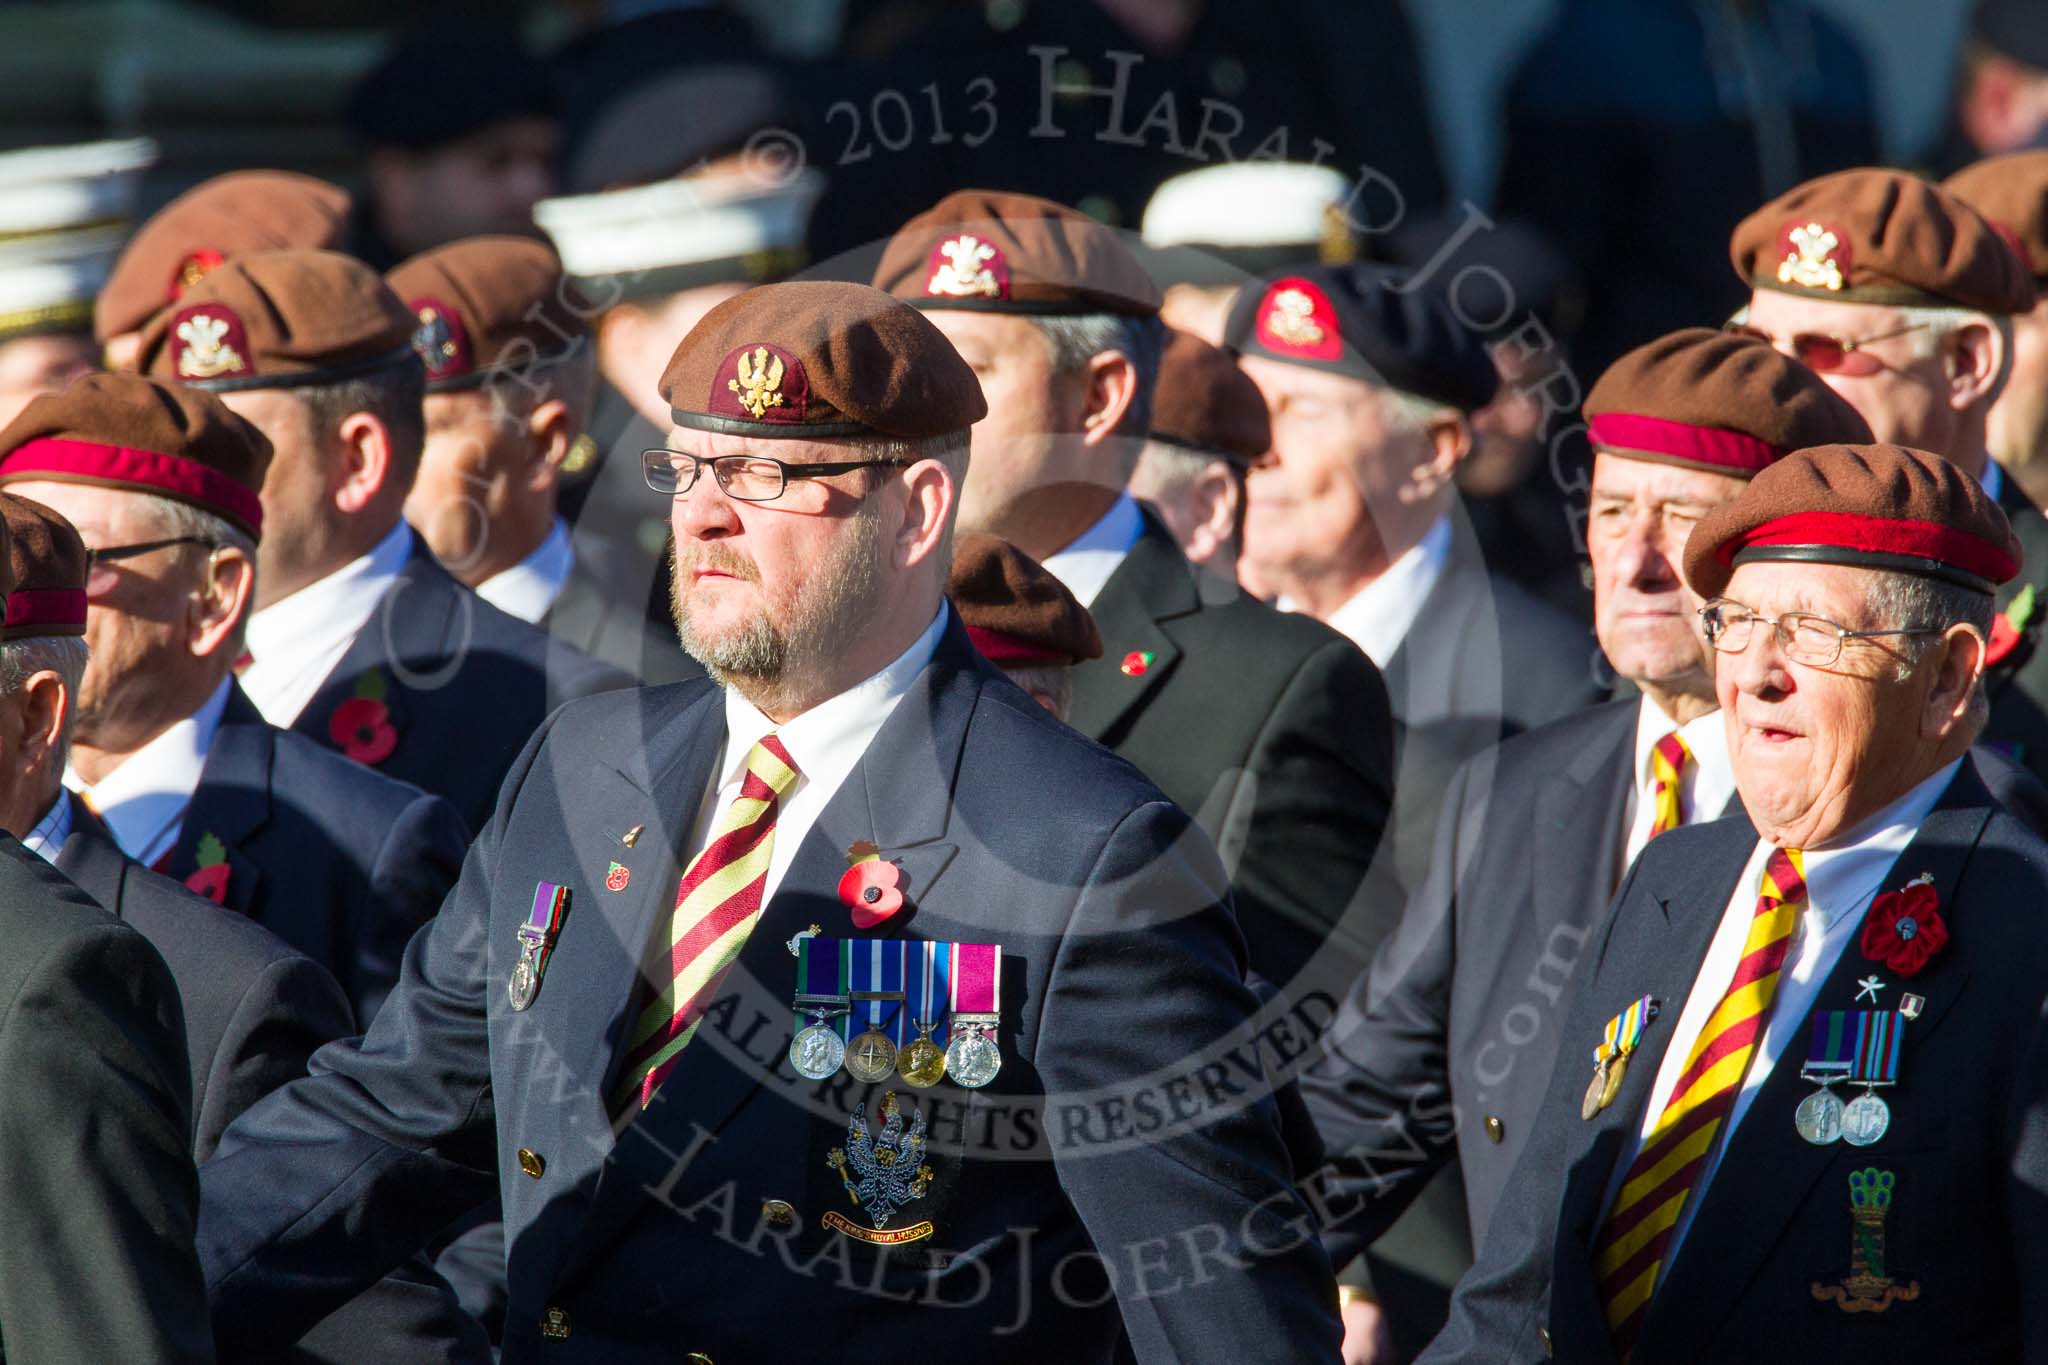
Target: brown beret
814	358
1872	506
280	320
1718	401
126	431
212	223
48	562
490	305
1012	253
1205	403
1878	236
2011	192
1015	611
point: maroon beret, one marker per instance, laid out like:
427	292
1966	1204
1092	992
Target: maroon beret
991	251
128	431
1880	236
48	562
212	223
1872	506
1718	401
2011	191
808	359
280	320
490	305
1204	402
1015	611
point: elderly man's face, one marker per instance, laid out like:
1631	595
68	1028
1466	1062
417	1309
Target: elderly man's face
1640	514
2019	419
1816	750
1900	384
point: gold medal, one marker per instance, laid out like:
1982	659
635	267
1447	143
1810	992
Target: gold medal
1595	1092
922	1063
1615	1071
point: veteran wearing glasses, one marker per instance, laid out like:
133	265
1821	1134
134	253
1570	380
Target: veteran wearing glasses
857	826
1903	298
1810	1041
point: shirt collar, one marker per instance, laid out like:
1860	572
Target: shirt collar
1705	737
46	840
530	587
145	798
1994	479
1844	874
1085	565
333	608
1379	616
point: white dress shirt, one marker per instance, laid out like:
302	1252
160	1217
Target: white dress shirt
46	840
1086	565
143	801
1378	618
294	644
825	742
1842	878
530	587
1705	789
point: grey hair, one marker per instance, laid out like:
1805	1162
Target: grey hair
949	449
1913	602
1055	680
1409	414
1939	323
64	655
183	519
1079	339
1167	471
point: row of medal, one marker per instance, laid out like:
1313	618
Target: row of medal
859	1002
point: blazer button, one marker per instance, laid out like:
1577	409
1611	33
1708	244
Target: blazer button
1548	1351
554	1324
1494	1131
532	1163
778	1212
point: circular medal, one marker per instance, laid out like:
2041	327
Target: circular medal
1819	1118
816	1052
1615	1072
922	1064
871	1057
972	1059
1594	1090
523	985
1865	1119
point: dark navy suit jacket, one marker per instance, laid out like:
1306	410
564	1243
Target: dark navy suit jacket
464	686
1131	1119
338	861
1967	1146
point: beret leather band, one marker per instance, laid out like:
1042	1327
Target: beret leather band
305	379
1657	438
46	611
1925	548
734	426
125	467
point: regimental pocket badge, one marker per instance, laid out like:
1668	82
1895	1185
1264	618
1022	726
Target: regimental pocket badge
1868	1287
882	1173
1610	1059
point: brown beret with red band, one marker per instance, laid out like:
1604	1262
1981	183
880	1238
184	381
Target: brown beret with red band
49	567
1870	506
1205	403
1016	613
208	225
812	359
490	305
2011	191
127	431
281	320
1880	236
1716	401
989	251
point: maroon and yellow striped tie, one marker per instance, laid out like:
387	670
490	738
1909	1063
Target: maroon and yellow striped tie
717	907
1632	1244
1668	760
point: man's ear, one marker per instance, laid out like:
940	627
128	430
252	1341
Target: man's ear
1112	387
1976	353
365	469
44	703
1218	504
217	606
550	432
927	511
1958	671
1449	438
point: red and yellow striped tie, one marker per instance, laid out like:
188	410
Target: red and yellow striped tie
1631	1246
717	907
1668	760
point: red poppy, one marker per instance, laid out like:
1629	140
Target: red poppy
871	891
1904	928
363	730
210	882
2005	638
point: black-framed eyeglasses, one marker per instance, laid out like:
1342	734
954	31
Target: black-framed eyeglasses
108	554
749	478
1806	638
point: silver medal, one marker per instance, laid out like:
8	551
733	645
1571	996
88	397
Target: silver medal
524	983
972	1058
1865	1119
1819	1118
816	1052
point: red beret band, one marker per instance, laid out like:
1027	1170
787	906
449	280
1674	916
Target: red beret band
121	465
1878	536
1632	432
46	607
1008	651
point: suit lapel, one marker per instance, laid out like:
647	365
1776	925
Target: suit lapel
405	642
1766	1173
1152	586
233	799
1579	813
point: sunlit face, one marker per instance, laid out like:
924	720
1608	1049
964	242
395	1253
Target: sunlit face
2019	419
762	588
1816	750
298	491
33	366
478	461
1031	438
1904	397
1639	515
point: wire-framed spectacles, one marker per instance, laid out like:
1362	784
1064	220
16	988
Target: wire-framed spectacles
1806	638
